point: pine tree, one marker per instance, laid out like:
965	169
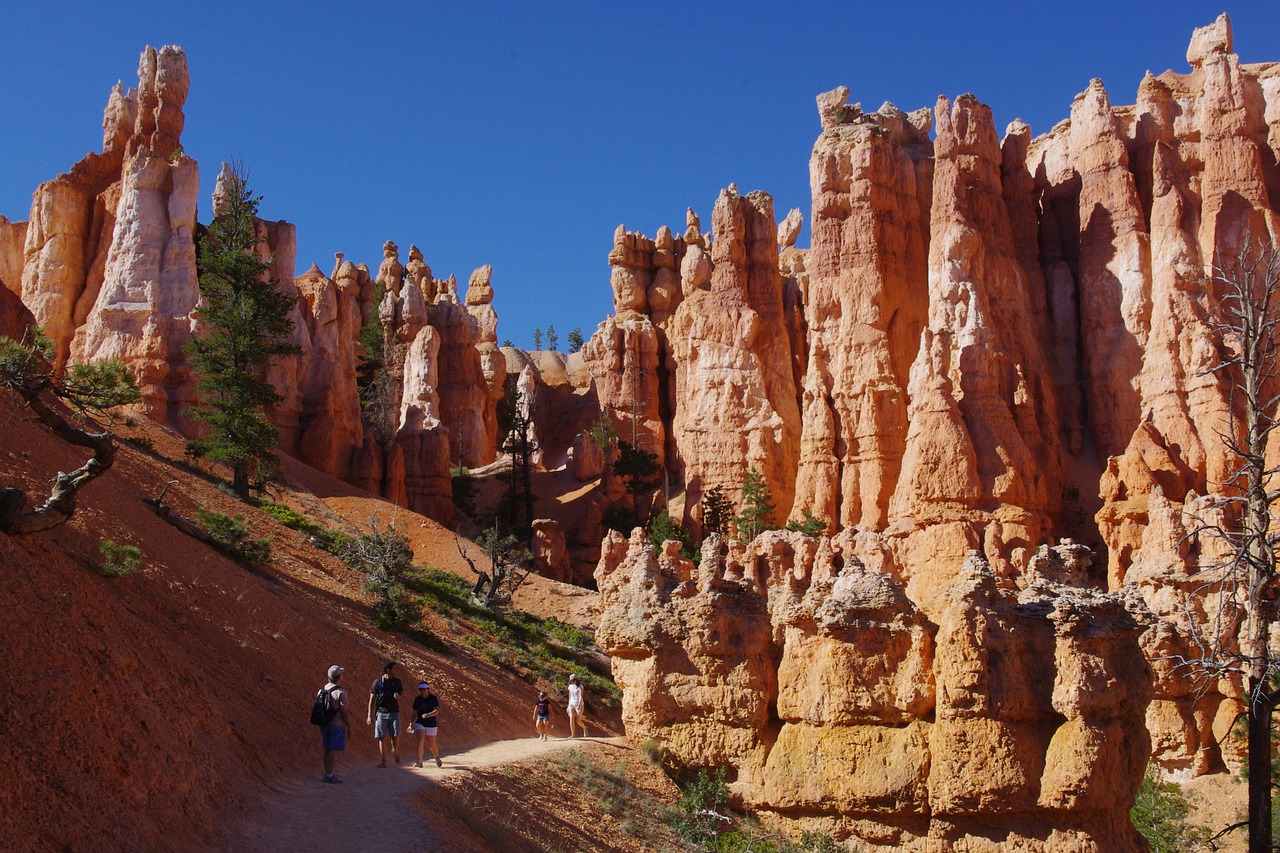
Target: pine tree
537	338
757	507
553	339
245	323
575	340
717	512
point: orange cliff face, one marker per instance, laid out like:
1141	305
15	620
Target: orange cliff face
806	666
992	340
106	267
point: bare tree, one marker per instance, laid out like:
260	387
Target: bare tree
509	567
92	391
1236	641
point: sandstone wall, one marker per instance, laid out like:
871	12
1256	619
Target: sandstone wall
995	343
13	236
805	666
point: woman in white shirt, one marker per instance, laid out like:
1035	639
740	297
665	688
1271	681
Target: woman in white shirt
577	706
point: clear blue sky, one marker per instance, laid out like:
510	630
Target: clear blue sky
522	134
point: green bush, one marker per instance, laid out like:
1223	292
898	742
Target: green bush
119	560
808	524
1160	811
703	799
567	634
663	527
325	538
230	536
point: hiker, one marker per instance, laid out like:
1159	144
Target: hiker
383	703
542	715
425	705
333	734
577	706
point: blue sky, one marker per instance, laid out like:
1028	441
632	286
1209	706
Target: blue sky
521	134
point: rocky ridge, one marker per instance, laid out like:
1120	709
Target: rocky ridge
805	666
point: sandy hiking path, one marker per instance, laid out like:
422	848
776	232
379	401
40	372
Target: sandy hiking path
372	803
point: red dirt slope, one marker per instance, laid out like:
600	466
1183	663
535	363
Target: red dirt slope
151	712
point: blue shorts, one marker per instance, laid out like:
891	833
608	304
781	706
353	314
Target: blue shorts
334	737
387	723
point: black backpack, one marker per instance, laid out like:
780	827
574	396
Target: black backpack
324	709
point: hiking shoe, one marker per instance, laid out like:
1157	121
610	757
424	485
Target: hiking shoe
417	764
332	780
439	763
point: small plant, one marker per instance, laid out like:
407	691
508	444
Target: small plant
119	560
324	538
230	536
808	524
384	557
567	634
652	749
1160	812
702	809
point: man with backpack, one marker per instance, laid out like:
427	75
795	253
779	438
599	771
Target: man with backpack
331	706
383	702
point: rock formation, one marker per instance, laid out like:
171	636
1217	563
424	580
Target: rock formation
865	307
999	340
13	236
806	667
329	422
109	262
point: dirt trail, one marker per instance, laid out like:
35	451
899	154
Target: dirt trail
373	806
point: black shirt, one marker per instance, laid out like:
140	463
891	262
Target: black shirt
386	689
425	707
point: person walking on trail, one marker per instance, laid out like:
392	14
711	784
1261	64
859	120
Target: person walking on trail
577	706
333	734
425	707
542	715
384	711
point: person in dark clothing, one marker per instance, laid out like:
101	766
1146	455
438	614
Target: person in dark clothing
542	715
383	704
425	708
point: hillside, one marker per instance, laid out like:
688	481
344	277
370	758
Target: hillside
154	711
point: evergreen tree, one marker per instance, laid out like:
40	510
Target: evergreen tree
553	339
515	421
641	471
662	527
537	338
245	323
374	382
575	340
717	512
757	507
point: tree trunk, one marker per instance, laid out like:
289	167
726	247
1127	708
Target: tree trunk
240	481
1259	768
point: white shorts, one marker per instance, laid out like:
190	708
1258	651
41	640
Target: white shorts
429	731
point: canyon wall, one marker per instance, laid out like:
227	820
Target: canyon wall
107	267
1004	342
1008	721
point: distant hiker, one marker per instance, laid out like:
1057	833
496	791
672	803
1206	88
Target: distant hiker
425	706
542	715
333	734
577	706
383	704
